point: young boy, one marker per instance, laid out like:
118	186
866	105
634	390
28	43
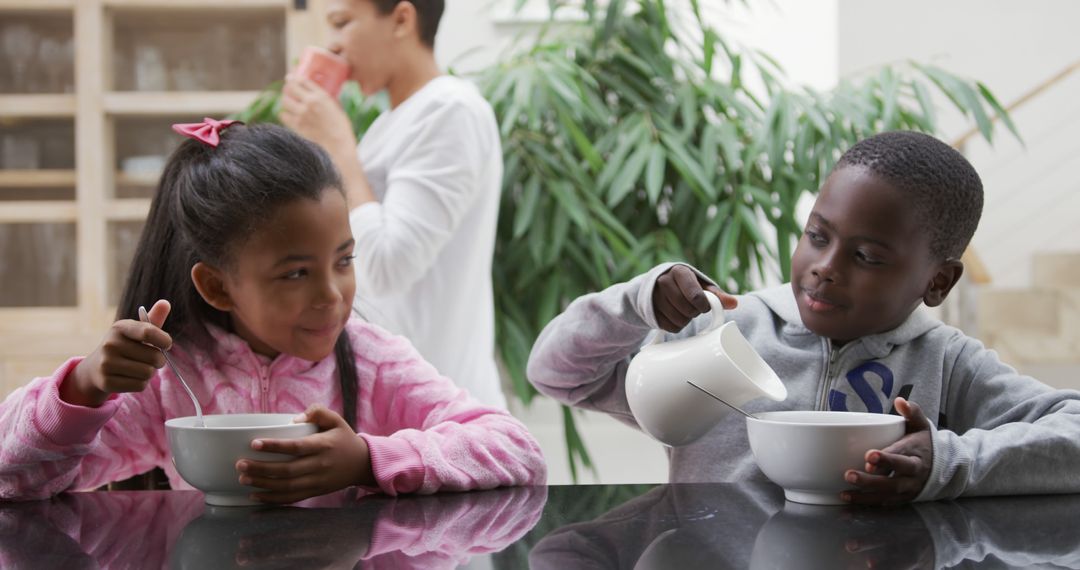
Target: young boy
423	185
885	235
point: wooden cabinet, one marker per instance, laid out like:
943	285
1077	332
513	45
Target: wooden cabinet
87	95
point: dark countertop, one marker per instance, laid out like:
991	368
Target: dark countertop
557	527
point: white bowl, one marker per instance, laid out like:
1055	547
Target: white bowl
807	452
206	456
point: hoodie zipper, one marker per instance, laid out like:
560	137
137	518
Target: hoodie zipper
830	361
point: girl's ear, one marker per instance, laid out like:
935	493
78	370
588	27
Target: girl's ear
947	275
210	284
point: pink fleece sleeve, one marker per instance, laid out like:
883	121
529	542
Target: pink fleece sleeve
426	434
48	446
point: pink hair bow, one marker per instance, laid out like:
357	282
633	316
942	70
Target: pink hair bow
208	131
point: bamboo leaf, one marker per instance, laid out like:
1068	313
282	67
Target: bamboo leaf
627	139
581	141
974	105
571	204
999	110
925	102
526	210
628	175
710	51
654	174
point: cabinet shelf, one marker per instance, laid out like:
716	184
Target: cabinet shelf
134	103
37	178
35	5
35	105
127	209
85	129
147	179
32	211
173	5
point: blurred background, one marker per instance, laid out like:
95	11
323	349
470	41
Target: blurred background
88	89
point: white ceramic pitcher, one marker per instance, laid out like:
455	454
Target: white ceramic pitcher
719	359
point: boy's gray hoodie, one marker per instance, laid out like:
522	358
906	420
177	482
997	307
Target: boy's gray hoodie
996	432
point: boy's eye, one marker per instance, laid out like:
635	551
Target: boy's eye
814	236
867	258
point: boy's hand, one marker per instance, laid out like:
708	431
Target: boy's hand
124	362
317	116
679	296
898	473
332	459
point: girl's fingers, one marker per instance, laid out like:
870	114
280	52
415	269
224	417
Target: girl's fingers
300	446
277	470
140	371
146	333
159	312
324	418
135	352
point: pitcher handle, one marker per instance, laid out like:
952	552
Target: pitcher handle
717	310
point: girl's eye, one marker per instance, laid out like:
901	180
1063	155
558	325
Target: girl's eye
347	260
295	274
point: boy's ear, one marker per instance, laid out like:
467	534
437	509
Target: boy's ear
405	21
947	276
210	284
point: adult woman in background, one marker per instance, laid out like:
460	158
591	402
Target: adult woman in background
423	185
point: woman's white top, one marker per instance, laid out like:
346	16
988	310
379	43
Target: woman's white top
423	251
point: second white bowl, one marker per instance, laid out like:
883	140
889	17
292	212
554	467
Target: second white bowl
807	452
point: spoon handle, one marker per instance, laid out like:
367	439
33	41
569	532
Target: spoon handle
144	317
721	400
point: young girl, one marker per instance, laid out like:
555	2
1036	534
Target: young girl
249	248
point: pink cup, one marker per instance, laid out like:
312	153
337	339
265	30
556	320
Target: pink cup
324	67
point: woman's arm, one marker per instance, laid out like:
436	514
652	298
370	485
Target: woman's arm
318	117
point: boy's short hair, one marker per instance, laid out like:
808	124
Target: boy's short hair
428	14
944	188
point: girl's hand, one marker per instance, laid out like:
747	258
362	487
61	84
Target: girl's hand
310	111
898	473
332	459
679	296
124	362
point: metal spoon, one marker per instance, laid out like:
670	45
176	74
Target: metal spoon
198	409
721	400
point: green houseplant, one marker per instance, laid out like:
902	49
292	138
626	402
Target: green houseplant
633	138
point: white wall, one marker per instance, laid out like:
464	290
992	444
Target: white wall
1032	194
801	34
